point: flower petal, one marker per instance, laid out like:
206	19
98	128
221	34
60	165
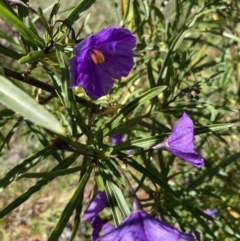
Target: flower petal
192	157
182	137
180	142
97	205
117	65
113	37
116	138
116	44
97	224
114	47
82	47
211	212
143	227
73	72
95	81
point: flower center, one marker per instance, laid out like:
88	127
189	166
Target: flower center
97	57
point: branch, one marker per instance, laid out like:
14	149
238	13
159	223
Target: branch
49	88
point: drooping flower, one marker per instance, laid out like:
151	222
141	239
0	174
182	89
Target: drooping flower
116	138
180	142
100	58
91	214
141	226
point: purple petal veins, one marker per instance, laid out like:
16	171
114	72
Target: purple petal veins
141	226
100	58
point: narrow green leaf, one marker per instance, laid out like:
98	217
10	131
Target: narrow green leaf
23	12
150	141
212	128
7	14
213	171
32	57
113	123
54	11
6	113
126	11
79	10
98	179
146	8
42	138
115	172
77	219
28	163
67	94
74	15
44	21
67	212
150	74
48	8
138	20
10	53
151	176
126	126
140	143
10	134
231	36
57	84
19	101
10	40
53	173
25	196
117	217
64	82
121	200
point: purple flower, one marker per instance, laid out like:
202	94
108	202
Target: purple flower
97	205
91	214
143	227
211	213
180	142
98	225
116	138
101	57
197	235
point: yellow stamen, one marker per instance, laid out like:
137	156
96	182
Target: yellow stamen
97	57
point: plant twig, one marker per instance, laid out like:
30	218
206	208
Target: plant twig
49	88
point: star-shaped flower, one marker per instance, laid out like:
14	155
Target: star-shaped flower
100	58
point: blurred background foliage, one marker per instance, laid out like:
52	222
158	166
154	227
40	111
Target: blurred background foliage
186	59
